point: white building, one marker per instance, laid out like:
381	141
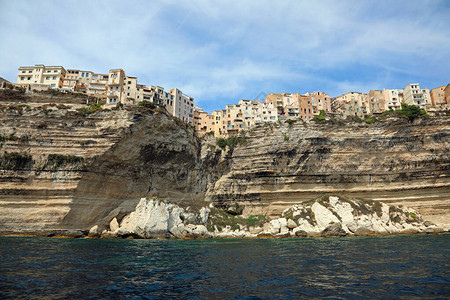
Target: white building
183	106
414	95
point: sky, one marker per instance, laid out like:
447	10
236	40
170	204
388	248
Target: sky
222	51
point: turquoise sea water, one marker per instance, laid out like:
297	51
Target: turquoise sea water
388	267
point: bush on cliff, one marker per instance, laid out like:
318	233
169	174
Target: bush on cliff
55	161
320	118
95	107
16	161
231	142
411	112
147	104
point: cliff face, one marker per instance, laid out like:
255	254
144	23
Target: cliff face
393	161
65	167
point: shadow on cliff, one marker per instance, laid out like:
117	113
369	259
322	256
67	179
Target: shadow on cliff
158	156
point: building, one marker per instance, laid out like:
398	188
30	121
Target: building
376	102
50	76
115	87
291	106
203	123
352	104
393	99
320	101
183	105
438	97
414	95
245	114
447	93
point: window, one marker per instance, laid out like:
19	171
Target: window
53	85
29	71
47	78
29	78
54	77
22	78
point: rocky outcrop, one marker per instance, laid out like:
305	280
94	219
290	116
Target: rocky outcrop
155	218
326	216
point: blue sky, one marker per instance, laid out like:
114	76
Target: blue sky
221	51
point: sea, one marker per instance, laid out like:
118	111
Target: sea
365	267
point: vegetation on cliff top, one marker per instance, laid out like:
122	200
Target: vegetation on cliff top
231	141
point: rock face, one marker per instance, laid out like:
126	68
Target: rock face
392	161
64	167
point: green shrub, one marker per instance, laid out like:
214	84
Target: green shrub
286	138
147	104
290	122
320	118
411	112
231	141
92	108
55	161
16	161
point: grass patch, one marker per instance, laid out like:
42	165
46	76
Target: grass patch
222	219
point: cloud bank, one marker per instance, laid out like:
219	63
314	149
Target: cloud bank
221	51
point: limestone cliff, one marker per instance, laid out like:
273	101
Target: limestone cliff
67	166
392	160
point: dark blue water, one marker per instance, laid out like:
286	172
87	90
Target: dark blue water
356	267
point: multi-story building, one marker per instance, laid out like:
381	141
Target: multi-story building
376	102
320	101
115	88
51	76
183	105
203	122
291	106
352	104
220	125
414	95
393	99
447	93
438	96
245	114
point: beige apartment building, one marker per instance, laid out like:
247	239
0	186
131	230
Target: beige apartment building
49	76
375	102
114	93
291	106
414	95
438	97
320	101
352	104
393	99
203	123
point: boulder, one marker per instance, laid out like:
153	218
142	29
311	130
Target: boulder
291	224
255	230
179	231
94	232
363	231
301	233
204	214
114	225
334	229
275	226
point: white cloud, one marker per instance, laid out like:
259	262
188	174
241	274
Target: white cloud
222	51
